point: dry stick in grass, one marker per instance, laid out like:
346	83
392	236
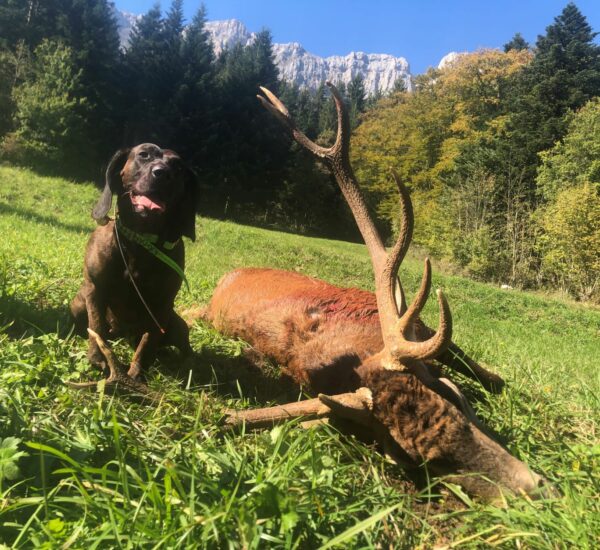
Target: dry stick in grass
118	374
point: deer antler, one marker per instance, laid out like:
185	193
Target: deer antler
355	406
396	322
117	373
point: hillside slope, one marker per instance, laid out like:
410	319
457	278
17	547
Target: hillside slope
100	470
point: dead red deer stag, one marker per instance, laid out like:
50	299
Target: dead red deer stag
372	347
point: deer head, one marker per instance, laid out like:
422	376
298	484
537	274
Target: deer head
415	416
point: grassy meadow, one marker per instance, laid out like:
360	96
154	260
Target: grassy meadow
92	470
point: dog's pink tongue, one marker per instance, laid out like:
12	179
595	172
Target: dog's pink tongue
141	201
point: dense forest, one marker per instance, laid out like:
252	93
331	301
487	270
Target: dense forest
501	149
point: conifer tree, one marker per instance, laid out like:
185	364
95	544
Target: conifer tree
197	109
50	109
155	72
143	70
399	86
517	42
253	149
563	76
356	99
88	27
30	21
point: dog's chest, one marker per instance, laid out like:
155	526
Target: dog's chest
143	281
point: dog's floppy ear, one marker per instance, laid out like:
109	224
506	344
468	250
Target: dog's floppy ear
189	204
111	183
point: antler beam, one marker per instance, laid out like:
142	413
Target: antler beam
396	323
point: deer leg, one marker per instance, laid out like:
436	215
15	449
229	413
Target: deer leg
458	360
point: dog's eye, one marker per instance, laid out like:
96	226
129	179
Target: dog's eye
143	154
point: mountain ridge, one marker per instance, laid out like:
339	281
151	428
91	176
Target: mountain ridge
296	65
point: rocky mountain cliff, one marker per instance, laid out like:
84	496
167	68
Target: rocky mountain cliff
125	22
295	64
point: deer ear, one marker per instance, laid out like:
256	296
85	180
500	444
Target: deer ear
112	182
355	406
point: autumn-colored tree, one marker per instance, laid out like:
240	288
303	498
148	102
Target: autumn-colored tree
426	137
569	181
570	243
576	159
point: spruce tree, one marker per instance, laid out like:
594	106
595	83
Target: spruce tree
563	76
399	86
90	30
195	95
143	73
356	99
30	21
253	148
517	42
155	72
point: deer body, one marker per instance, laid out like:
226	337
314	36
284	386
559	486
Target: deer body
329	340
319	332
370	352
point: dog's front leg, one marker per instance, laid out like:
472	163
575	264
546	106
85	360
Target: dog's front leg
96	305
178	335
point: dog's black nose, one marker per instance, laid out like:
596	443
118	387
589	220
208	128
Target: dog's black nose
158	171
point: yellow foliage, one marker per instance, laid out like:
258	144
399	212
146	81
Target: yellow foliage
571	240
421	134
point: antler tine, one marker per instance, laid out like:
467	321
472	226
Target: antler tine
355	406
337	157
438	343
420	298
276	107
390	283
268	416
137	356
342	140
400	298
277	103
432	347
391	292
111	359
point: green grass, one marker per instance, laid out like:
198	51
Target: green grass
99	471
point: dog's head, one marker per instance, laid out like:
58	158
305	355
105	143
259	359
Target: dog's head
155	191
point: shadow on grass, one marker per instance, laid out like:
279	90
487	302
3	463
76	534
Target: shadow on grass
36	217
230	376
22	319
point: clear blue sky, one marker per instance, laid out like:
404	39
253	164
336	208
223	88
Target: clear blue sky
421	31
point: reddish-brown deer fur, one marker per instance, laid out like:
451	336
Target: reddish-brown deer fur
373	347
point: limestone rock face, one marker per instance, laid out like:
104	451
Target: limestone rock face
125	23
380	71
449	59
228	33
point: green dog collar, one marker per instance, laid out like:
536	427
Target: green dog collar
147	240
